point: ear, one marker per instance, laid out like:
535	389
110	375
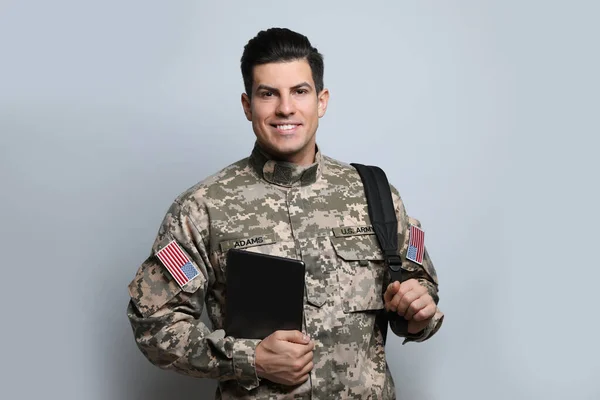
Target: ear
323	99
247	106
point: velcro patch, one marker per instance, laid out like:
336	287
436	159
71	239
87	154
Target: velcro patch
177	263
416	245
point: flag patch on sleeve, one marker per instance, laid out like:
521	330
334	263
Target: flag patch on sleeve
416	245
177	263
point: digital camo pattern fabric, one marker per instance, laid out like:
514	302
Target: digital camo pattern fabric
317	214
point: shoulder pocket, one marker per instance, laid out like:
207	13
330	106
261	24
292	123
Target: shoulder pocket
361	270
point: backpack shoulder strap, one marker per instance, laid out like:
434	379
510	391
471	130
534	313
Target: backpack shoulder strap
382	214
385	225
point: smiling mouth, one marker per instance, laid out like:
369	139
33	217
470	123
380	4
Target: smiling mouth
286	128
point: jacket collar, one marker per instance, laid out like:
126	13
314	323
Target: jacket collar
284	173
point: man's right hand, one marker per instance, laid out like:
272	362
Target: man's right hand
285	357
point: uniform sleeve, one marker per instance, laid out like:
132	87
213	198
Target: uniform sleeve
165	316
425	274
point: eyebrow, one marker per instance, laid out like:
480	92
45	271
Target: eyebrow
272	89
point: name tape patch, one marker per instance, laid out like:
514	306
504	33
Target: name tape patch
247	242
353	230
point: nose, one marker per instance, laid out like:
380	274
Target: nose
286	106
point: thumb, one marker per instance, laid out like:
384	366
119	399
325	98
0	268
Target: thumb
294	337
391	291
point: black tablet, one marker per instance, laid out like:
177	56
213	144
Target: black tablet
264	294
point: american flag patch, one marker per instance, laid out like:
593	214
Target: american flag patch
416	245
178	264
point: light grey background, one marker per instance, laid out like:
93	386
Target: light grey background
484	115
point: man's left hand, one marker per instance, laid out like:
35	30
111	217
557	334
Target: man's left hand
412	301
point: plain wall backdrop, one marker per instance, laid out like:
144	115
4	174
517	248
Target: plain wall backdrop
484	114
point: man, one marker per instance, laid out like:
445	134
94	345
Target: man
294	202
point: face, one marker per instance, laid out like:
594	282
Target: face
285	110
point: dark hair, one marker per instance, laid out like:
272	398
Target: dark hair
280	45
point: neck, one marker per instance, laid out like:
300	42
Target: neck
302	158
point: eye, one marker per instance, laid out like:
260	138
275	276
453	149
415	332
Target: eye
301	91
266	94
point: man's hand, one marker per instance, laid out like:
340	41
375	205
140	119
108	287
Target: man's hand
411	300
285	357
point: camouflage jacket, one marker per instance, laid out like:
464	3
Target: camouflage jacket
316	213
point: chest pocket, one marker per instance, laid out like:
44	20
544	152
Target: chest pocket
264	244
360	272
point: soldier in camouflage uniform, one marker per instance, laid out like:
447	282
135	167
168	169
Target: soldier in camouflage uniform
286	199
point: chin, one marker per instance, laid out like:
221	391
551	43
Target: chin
283	153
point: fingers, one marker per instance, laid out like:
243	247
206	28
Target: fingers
299	377
425	313
391	291
408	297
396	290
285	357
392	305
301	350
292	336
419	305
304	360
300	342
403	294
305	371
302	368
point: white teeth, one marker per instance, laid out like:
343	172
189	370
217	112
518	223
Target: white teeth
285	127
